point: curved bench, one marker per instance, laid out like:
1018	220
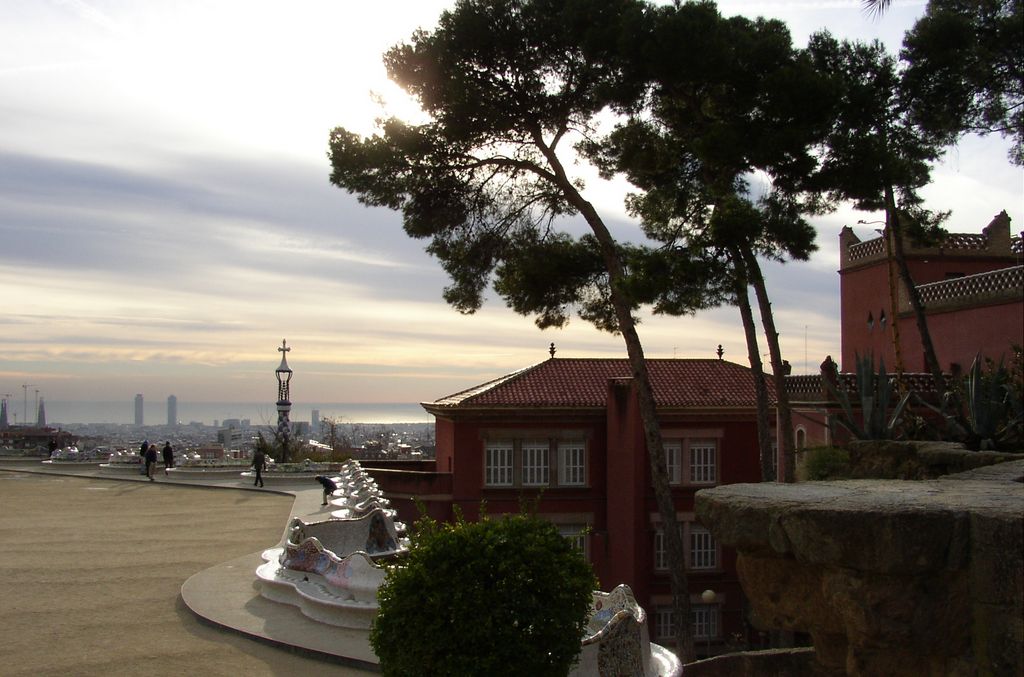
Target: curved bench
329	589
618	641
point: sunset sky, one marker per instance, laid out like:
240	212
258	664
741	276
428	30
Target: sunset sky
166	216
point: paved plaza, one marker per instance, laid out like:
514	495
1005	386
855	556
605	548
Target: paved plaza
92	569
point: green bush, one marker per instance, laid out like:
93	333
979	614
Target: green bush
506	596
826	463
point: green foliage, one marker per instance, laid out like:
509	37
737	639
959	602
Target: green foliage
825	463
872	420
966	69
873	144
502	596
985	409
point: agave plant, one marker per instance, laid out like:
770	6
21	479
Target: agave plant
992	413
876	393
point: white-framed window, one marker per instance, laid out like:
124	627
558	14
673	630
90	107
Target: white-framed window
498	463
664	628
572	463
535	463
703	550
703	462
674	460
700	546
660	553
704	618
660	549
576	534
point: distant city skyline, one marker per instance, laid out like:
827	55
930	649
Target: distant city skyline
261	414
167	217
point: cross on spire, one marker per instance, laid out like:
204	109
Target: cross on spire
284	347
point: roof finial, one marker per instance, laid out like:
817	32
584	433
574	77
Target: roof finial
551	349
720	352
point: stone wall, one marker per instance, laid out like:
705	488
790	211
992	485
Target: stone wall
892	460
888	577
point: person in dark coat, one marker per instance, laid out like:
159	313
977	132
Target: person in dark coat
259	464
329	486
142	456
150	462
168	456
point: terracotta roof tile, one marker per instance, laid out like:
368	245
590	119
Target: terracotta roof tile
583	383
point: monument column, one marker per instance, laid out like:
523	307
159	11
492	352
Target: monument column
284	403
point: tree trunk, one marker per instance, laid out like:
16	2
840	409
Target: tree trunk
931	361
764	431
894	309
787	469
673	538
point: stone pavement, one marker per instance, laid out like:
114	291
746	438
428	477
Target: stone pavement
226	596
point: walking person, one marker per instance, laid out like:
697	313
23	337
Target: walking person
150	462
329	486
259	464
142	456
168	456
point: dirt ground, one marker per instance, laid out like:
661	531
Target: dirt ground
91	572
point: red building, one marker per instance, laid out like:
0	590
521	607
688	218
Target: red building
971	286
972	289
567	434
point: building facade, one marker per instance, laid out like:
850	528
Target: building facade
971	286
565	436
139	410
972	290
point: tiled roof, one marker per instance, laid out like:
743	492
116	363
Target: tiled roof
583	383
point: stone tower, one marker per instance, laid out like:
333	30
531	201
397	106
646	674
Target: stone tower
284	403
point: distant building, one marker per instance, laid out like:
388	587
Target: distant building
41	415
172	410
314	423
139	418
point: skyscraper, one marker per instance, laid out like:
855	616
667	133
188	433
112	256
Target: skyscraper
315	424
138	410
41	416
172	410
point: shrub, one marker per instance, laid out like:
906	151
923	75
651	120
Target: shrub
826	463
506	596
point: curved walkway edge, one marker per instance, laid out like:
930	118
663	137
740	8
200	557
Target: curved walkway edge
228	596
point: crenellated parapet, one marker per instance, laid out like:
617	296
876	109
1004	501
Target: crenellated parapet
993	242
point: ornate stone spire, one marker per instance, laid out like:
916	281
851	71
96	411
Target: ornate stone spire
284	403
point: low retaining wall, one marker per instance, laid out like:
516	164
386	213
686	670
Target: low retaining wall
888	577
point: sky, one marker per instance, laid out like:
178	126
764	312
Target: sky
166	217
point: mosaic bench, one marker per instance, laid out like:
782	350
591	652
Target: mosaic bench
617	641
339	591
328	568
373	533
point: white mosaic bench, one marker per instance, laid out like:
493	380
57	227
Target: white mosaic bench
328	568
329	589
617	640
373	533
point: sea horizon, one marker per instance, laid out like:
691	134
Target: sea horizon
67	412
